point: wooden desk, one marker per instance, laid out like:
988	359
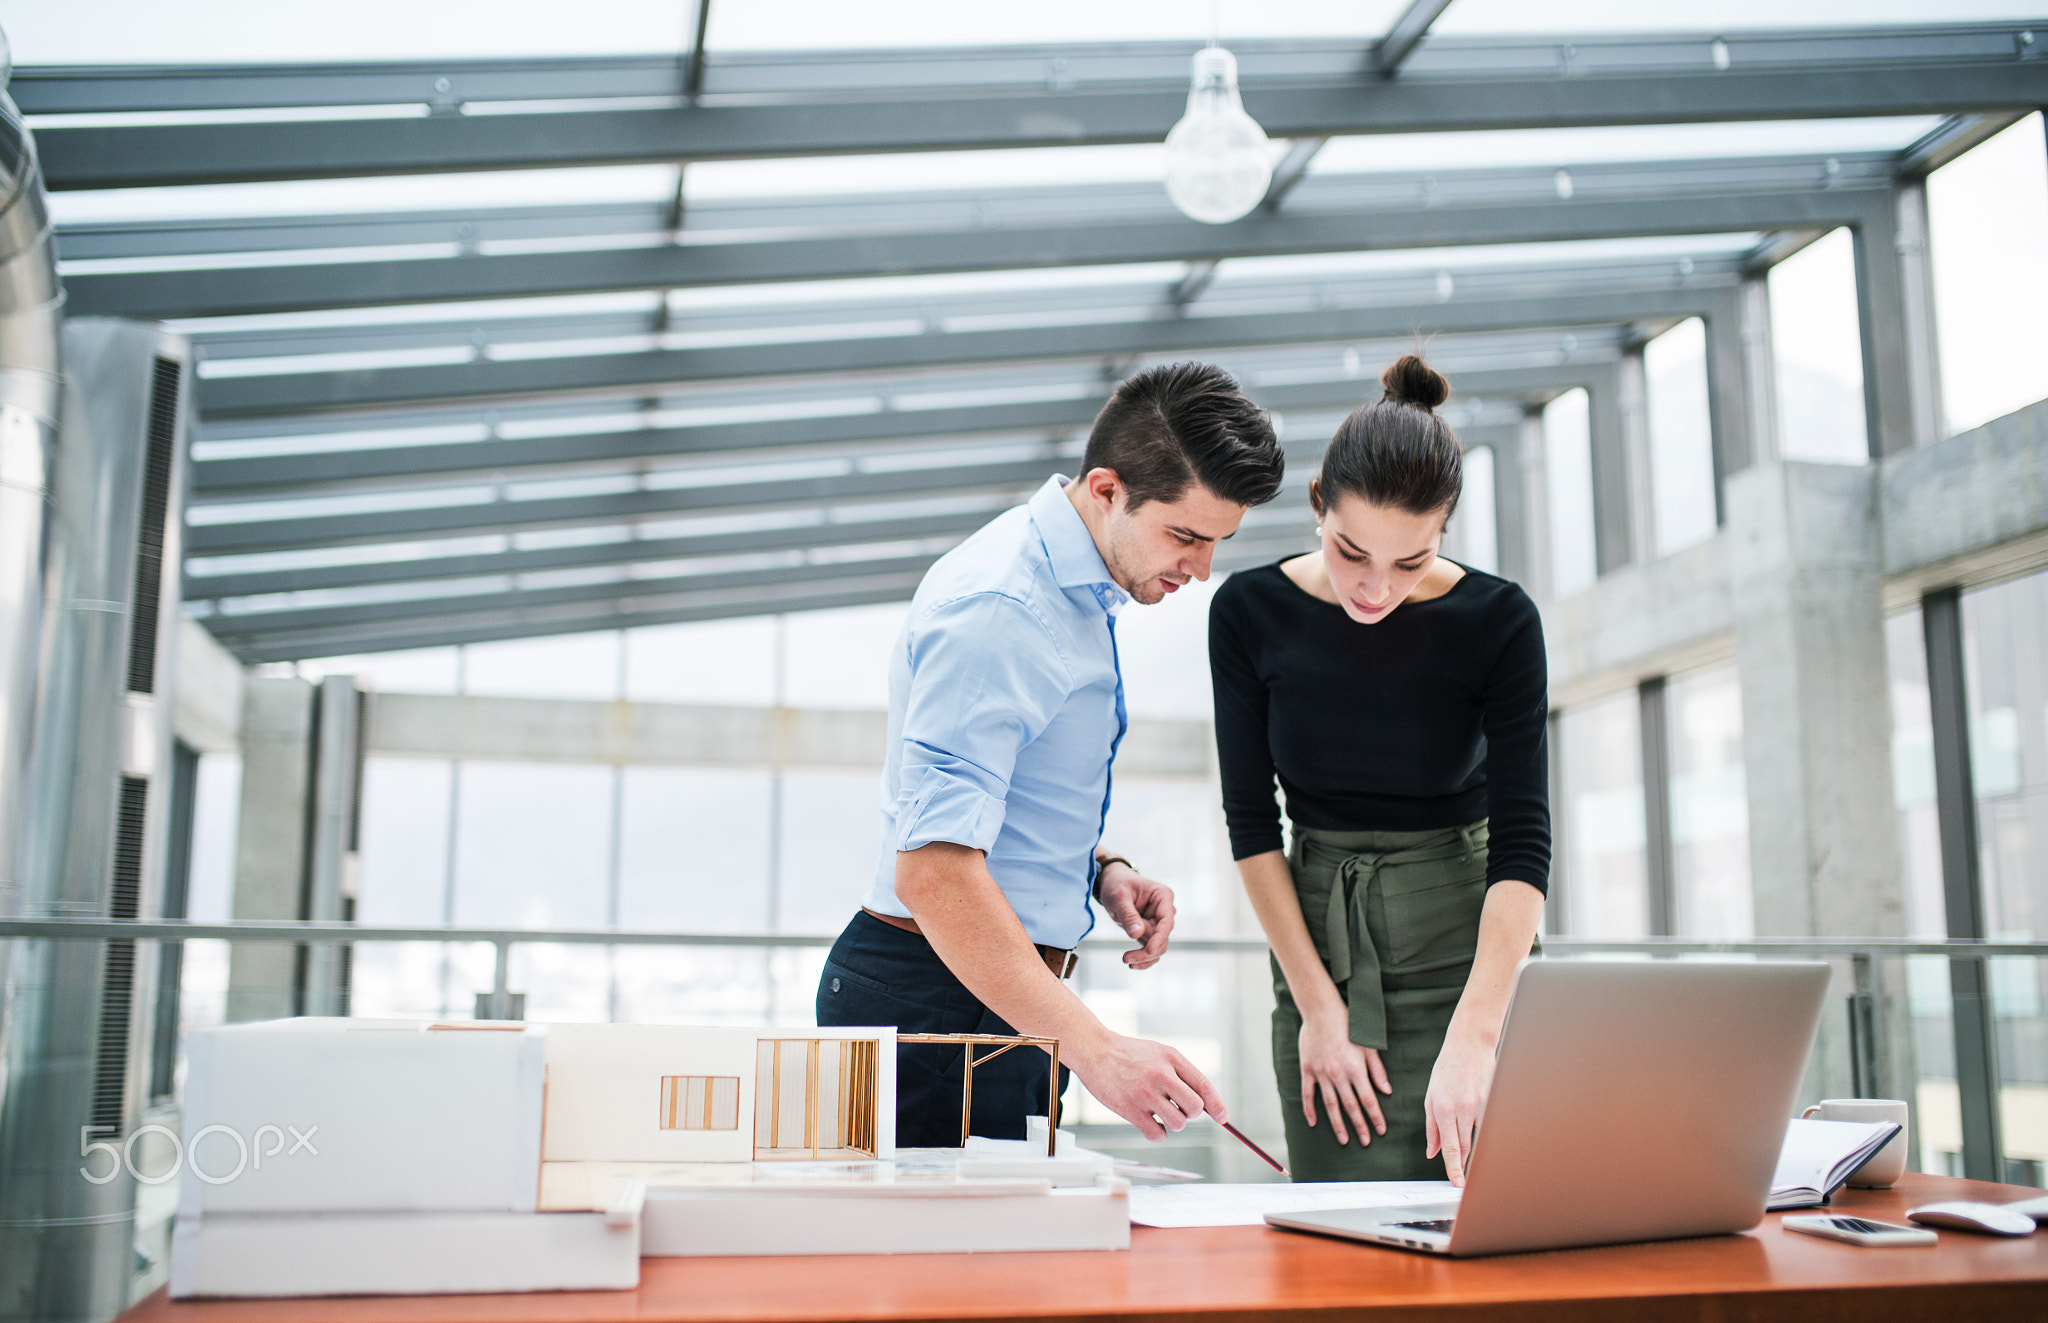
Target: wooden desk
1242	1274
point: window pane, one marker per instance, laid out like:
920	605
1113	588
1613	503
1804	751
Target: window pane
2005	635
693	850
831	838
1681	436
1606	886
566	666
404	856
840	659
1474	534
1913	784
1709	805
716	661
532	845
1568	472
1987	211
1819	349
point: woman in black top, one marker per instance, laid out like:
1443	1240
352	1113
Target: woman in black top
1400	701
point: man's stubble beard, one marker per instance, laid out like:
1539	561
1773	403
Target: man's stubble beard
1143	588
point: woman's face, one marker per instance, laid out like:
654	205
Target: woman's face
1376	554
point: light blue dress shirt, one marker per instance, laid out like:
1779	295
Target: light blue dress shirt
1006	707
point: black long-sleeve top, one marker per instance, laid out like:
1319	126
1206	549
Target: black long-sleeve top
1433	717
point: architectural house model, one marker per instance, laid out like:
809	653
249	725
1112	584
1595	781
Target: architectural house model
502	1156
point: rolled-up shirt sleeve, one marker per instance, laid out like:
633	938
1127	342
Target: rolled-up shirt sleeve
986	677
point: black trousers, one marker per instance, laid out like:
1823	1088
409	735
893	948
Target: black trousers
880	975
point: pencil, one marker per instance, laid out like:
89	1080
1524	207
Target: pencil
1240	1135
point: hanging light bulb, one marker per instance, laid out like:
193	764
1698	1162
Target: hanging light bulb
1218	165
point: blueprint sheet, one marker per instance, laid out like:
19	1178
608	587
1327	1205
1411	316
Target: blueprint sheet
1247	1205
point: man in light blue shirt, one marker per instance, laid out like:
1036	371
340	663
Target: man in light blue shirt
1006	708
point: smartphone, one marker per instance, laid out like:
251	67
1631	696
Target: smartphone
1860	1230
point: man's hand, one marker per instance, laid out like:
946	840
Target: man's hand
1457	1095
1146	1083
1142	908
1348	1078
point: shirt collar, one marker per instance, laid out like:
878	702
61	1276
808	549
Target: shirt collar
1069	546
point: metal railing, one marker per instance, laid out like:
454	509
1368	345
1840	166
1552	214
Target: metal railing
1977	1088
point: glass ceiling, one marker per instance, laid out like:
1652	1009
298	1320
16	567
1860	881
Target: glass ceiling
239	31
533	448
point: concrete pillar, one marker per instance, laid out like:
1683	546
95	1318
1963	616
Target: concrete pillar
1816	718
270	850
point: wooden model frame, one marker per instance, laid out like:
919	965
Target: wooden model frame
1002	1043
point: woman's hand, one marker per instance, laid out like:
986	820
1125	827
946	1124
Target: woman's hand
1344	1075
1457	1095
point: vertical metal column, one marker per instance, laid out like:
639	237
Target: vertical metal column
1633	392
1976	1040
1557	914
1614	513
1759	373
1728	413
1510	512
1539	563
330	838
1894	303
1659	855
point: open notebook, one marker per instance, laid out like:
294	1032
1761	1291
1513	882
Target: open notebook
1819	1155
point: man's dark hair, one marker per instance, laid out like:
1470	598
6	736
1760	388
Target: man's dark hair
1167	427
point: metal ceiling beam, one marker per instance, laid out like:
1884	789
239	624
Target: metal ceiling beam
567	618
215	539
1390	52
622	551
327	470
504	598
515	615
469	332
420	567
368	388
1325	214
1058	97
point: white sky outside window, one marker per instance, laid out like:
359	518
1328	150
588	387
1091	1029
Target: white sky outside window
1819	348
532	845
1988	230
255	31
1681	436
1365	154
1507	16
814	24
1568	473
1474	529
1605	865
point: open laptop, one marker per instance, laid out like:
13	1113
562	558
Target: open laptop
1633	1100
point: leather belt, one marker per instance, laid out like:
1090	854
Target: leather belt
1060	962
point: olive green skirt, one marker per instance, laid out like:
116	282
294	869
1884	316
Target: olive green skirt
1395	918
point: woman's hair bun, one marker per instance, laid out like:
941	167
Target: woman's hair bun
1412	381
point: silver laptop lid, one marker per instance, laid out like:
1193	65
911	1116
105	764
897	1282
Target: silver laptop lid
1637	1100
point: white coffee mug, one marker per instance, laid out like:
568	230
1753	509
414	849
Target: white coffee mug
1888	1163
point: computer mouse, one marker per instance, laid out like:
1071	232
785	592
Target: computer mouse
1961	1215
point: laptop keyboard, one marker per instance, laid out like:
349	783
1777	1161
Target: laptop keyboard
1442	1224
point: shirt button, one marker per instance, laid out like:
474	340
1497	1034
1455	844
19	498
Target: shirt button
835	985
